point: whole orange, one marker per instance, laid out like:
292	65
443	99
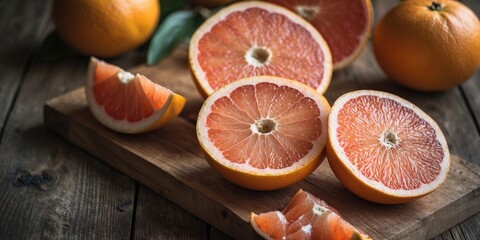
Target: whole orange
105	28
428	46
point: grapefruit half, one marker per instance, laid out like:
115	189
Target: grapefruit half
384	148
264	132
257	38
129	103
344	24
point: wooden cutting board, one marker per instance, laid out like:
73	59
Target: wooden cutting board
170	162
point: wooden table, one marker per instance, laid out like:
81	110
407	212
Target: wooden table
50	188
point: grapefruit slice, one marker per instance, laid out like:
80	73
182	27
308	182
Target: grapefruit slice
128	103
344	24
305	217
264	132
384	148
256	38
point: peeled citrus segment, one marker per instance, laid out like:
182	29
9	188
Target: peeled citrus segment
256	38
384	148
344	24
129	103
264	132
305	217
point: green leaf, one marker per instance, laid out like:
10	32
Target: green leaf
53	48
175	29
169	6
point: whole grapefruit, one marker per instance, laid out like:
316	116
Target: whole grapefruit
428	46
105	28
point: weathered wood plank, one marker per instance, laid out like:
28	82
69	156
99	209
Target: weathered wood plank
60	191
471	88
381	86
157	217
170	162
22	22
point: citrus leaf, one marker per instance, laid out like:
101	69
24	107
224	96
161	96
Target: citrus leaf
169	6
176	28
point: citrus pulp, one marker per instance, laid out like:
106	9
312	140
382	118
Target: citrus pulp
257	38
305	217
129	103
264	132
384	148
345	24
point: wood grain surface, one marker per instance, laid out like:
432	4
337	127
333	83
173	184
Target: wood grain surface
170	162
51	189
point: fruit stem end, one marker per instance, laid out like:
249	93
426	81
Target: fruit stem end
435	6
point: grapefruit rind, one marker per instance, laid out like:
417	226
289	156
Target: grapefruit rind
362	38
263	179
199	75
172	108
369	189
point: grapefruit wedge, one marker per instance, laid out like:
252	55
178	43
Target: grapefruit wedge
129	103
305	217
257	38
384	148
344	24
264	132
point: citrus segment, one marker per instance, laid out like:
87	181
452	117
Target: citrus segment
256	38
384	148
305	217
264	132
129	103
344	24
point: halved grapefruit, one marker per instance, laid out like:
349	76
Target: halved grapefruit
305	217
257	38
384	148
344	24
264	132
129	103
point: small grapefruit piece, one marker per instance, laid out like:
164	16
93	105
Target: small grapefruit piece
305	217
264	132
384	148
344	24
129	103
257	38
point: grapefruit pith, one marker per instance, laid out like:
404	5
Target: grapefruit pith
129	103
264	132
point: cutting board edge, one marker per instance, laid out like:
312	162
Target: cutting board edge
57	121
